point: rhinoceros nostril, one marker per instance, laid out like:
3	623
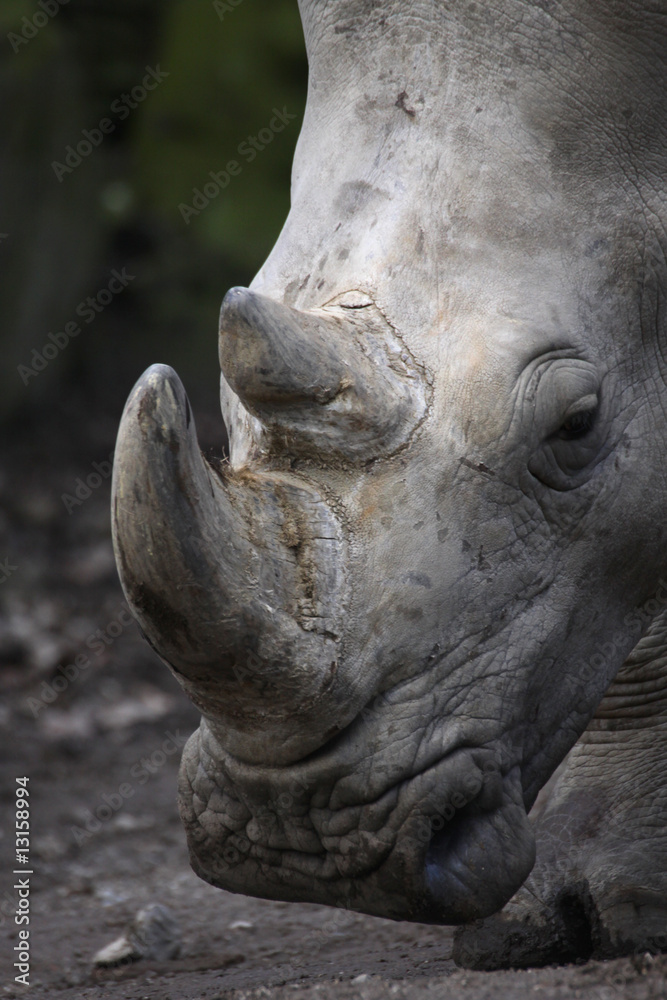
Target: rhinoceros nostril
481	854
322	380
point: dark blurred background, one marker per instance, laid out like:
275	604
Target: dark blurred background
98	174
65	225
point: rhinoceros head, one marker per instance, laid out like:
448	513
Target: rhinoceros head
400	601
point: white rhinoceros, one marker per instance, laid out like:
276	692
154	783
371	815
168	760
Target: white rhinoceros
440	536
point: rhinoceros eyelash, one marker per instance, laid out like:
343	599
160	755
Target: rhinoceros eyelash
579	419
578	425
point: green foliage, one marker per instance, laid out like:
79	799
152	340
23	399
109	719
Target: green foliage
11	12
230	64
226	76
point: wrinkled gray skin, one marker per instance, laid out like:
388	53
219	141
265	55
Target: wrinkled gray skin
442	528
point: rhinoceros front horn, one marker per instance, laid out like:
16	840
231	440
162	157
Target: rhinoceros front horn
233	584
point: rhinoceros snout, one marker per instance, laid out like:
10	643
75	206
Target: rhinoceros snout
447	844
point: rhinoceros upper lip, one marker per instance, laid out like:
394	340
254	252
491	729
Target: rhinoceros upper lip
414	839
321	774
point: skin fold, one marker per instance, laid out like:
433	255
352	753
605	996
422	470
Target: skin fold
441	531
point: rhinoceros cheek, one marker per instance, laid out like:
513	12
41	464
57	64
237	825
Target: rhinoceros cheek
479	860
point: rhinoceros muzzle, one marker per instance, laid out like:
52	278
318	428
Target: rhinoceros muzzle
245	578
446	842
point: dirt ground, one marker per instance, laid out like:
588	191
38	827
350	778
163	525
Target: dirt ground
95	721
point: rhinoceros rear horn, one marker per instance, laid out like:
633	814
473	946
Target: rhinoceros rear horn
334	380
234	578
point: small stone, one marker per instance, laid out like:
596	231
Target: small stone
128	822
154	933
118	952
49	847
241	925
148	706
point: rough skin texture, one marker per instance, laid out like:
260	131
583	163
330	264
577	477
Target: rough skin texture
441	533
599	887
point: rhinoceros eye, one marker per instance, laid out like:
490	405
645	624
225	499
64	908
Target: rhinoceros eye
570	420
580	419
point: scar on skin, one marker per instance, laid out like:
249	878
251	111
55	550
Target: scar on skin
400	103
480	467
